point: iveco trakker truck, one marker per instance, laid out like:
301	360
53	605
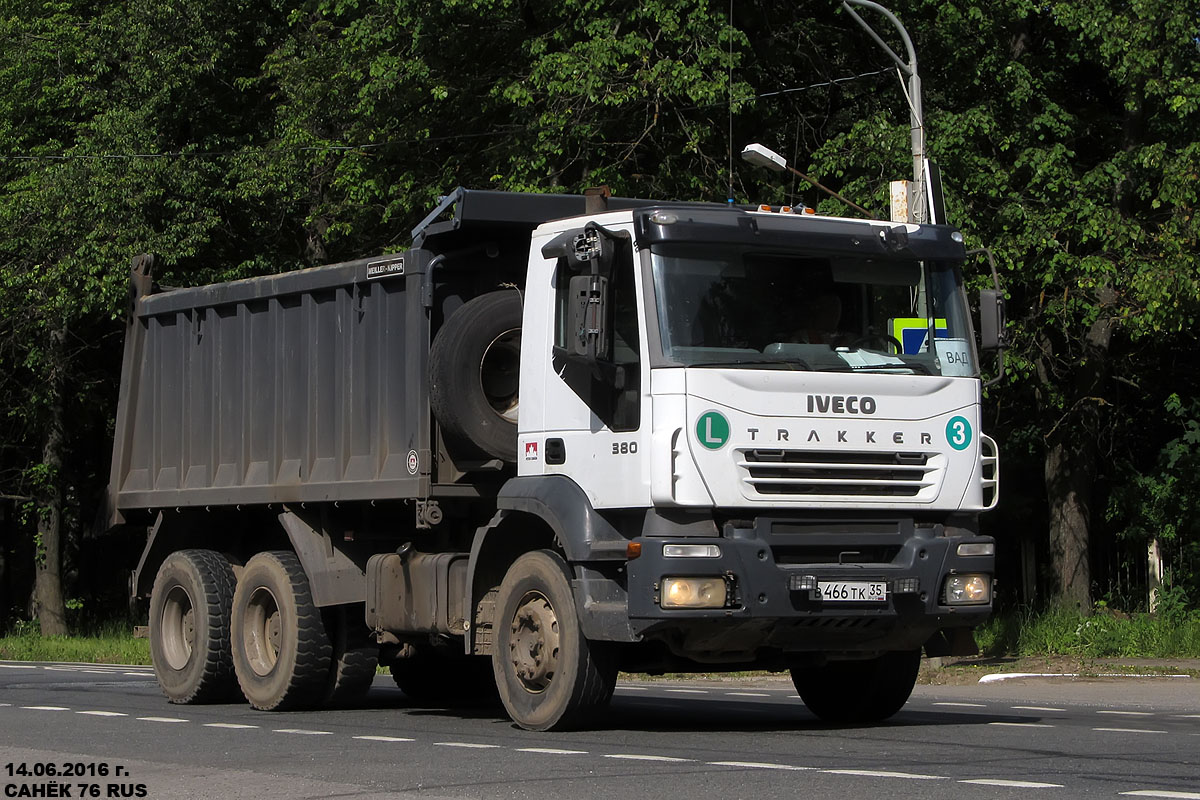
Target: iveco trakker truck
558	437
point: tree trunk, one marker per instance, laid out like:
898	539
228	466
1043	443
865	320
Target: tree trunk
48	604
1069	475
1072	463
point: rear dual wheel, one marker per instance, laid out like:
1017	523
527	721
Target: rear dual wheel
281	650
189	627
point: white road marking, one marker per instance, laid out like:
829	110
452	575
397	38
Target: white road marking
688	691
471	745
1036	708
553	751
640	757
962	705
384	739
97	671
140	674
1006	676
103	713
1021	724
1128	713
747	694
5	705
1127	730
18	666
233	726
1186	716
46	708
873	773
62	669
757	765
1163	793
161	719
633	688
1013	784
793	697
302	732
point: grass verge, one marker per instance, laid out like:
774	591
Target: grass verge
1105	634
113	646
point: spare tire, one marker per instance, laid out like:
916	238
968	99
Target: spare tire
474	375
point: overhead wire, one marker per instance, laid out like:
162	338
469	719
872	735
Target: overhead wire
343	148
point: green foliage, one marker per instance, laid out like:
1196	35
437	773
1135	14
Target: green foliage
1162	500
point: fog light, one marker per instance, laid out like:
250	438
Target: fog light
977	549
968	590
691	551
907	586
693	593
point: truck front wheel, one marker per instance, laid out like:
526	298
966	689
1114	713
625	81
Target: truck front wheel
548	674
281	651
189	627
859	691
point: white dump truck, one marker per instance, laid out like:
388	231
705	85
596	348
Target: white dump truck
560	437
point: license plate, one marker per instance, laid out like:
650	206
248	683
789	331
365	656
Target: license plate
853	591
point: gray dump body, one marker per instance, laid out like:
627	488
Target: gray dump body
305	386
311	385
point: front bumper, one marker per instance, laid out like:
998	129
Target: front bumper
766	561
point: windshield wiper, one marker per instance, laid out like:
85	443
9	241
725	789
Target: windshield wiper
791	362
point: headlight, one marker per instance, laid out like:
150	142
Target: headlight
966	590
693	593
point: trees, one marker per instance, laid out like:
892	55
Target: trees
246	136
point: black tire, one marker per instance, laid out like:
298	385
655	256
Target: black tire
189	627
431	677
859	691
550	677
281	652
474	366
353	656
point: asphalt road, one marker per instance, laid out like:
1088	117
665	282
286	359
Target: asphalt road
696	741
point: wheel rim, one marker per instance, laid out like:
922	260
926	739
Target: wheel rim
178	625
262	631
499	374
534	646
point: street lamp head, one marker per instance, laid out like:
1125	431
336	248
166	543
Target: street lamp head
761	156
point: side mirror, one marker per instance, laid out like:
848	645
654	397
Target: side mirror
588	312
991	319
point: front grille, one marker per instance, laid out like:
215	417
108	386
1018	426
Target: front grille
838	473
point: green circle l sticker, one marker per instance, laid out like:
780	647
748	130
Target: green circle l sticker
958	433
712	430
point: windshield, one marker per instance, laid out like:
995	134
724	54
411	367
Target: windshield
734	305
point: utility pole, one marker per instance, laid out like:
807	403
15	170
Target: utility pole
918	202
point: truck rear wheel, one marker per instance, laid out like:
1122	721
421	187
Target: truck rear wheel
353	657
189	627
281	652
474	370
859	691
548	674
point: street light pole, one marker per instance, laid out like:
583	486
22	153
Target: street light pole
918	205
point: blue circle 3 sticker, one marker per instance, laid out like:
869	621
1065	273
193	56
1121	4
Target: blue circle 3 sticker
958	433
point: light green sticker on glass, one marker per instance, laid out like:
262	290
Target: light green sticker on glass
712	430
958	433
